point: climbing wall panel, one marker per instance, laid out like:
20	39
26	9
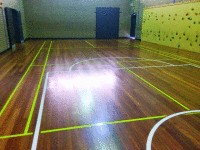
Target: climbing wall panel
175	26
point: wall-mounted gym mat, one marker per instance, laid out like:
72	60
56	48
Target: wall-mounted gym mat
174	25
3	36
107	22
17	26
70	18
14	26
10	26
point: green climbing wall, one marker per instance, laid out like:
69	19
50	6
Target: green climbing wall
175	26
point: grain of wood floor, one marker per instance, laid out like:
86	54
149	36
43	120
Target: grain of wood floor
98	94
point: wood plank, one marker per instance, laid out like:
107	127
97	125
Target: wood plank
115	94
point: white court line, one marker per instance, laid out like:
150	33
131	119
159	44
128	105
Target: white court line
196	66
153	130
70	68
172	56
39	118
121	68
180	59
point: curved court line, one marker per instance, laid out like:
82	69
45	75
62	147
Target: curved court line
21	80
122	68
70	68
70	48
153	130
86	60
39	119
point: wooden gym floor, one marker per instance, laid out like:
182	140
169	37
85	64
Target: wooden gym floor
98	94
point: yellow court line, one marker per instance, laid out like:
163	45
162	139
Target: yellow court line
101	124
57	64
50	65
115	47
37	92
21	80
164	53
89	47
15	135
90	44
69	48
154	87
37	65
127	43
90	125
101	65
168	55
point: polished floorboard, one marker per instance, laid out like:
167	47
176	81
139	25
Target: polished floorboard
98	94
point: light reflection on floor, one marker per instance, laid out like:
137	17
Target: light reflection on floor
85	96
84	80
105	137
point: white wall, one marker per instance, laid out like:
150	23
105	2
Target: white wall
70	18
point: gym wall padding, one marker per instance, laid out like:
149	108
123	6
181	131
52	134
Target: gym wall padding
107	22
3	32
18	5
175	25
10	26
137	7
70	18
